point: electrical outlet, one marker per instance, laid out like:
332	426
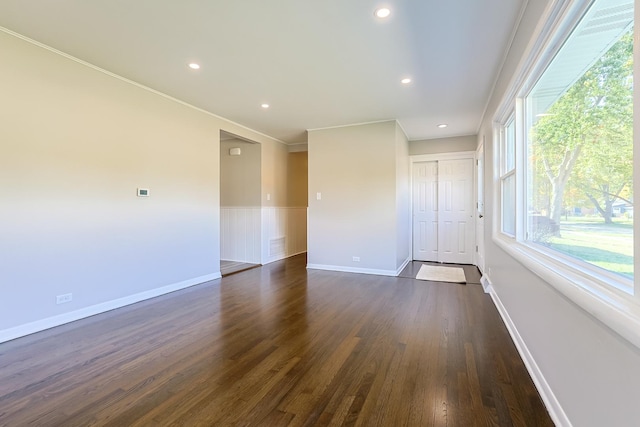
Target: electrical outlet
62	299
356	259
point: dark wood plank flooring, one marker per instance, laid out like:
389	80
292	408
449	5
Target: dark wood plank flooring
471	272
232	267
277	346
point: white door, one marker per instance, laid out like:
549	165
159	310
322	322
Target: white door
444	211
456	212
425	211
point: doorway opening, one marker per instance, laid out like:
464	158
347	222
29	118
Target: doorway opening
240	203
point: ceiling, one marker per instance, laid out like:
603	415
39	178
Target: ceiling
317	63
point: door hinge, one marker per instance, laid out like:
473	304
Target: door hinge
476	248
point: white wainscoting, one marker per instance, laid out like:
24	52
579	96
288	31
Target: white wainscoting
262	235
240	231
284	232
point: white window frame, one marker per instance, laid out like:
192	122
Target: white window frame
505	173
608	297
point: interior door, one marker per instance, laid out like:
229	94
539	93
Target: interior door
425	211
456	211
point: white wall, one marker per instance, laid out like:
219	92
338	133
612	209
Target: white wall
403	202
356	171
240	176
76	143
443	145
593	375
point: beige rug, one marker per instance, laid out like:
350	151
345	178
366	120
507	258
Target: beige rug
435	273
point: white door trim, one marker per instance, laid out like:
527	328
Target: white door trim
480	210
459	155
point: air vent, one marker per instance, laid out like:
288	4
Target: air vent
276	246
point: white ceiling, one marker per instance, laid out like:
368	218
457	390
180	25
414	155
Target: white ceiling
317	63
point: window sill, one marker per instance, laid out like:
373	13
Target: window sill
611	306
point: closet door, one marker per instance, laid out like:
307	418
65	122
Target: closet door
425	211
443	211
455	211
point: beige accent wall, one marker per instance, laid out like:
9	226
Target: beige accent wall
297	179
76	144
240	176
355	168
443	145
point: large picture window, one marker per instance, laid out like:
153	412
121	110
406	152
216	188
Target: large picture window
579	144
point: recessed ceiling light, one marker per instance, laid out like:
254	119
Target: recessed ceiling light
383	12
265	106
405	81
194	66
442	126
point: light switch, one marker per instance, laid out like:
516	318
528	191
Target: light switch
268	196
318	196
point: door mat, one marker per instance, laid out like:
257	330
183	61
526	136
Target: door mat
436	273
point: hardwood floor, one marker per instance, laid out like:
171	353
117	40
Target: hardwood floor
231	267
278	346
471	272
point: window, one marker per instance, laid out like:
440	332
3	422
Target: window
564	160
579	144
508	177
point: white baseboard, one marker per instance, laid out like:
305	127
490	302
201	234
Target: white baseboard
344	269
61	319
404	264
552	404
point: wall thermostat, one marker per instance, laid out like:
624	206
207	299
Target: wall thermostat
143	192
